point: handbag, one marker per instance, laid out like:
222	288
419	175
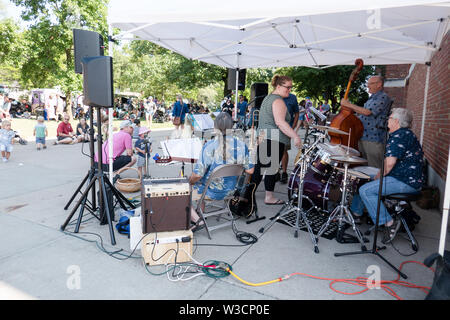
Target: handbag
177	120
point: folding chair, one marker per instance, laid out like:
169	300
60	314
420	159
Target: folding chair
226	170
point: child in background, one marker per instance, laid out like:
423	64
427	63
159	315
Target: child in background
40	131
6	140
136	127
143	149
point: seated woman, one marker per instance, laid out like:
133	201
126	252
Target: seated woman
221	150
403	172
83	130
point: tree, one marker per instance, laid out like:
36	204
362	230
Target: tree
48	50
329	83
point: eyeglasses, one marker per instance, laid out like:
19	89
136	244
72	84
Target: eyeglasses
287	87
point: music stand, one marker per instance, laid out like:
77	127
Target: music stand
375	249
96	174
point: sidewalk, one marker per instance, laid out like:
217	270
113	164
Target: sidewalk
39	261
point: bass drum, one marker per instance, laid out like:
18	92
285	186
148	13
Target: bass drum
320	190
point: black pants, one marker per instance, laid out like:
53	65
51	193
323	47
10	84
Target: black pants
263	167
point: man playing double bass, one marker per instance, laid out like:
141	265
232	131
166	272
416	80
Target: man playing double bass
372	116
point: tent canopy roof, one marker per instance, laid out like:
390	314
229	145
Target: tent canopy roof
247	34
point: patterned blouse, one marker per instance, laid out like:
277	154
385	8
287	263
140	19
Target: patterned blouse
404	145
212	157
374	123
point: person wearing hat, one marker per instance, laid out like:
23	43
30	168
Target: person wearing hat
143	149
122	141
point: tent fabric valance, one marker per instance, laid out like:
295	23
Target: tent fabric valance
257	34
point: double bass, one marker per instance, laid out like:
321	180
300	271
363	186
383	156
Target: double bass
346	120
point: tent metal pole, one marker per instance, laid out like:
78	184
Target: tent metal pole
425	99
236	94
446	206
110	115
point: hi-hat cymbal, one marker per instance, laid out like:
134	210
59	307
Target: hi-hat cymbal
329	129
348	159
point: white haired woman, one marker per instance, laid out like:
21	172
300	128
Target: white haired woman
223	149
403	172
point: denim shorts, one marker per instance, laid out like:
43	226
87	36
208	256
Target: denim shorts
7	147
40	140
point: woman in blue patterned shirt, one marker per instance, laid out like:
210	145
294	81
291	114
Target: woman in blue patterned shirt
403	172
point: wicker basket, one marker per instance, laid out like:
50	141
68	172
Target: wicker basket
128	184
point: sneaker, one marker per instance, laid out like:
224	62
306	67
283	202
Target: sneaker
38	148
5	160
391	231
284	177
45	147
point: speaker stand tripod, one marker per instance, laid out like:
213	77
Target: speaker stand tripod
96	175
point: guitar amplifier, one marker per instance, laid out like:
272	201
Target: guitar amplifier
166	204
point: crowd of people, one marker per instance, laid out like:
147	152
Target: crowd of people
280	117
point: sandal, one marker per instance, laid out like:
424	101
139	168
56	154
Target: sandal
278	202
391	231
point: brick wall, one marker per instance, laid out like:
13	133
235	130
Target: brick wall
436	136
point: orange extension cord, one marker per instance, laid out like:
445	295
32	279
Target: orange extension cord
360	281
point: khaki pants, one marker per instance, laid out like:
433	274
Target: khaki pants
372	151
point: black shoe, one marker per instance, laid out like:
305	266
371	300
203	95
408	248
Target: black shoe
284	177
357	219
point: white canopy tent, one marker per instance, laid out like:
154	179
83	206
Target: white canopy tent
259	33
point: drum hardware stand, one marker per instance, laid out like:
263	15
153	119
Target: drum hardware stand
341	210
375	248
288	207
93	176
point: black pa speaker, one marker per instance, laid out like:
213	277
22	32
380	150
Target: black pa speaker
231	83
258	91
86	44
98	81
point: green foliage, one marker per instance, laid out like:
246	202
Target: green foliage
329	83
47	52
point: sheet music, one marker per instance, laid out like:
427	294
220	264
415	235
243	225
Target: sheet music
202	122
182	148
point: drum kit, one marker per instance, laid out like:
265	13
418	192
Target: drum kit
322	176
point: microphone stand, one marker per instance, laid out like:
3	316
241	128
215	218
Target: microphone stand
375	248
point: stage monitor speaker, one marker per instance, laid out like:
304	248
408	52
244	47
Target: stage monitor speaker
231	83
258	91
86	44
98	81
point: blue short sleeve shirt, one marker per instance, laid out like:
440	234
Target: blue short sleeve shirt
211	157
403	145
374	123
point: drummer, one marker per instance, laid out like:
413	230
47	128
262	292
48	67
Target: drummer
373	116
403	171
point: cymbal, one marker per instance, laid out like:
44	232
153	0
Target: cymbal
354	173
329	129
348	159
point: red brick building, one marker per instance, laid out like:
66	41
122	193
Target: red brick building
431	109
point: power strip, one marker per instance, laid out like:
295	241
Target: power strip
171	240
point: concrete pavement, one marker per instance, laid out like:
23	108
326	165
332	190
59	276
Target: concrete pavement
39	261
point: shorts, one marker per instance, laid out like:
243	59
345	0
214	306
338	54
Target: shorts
140	161
302	117
40	140
62	138
7	147
196	196
120	162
